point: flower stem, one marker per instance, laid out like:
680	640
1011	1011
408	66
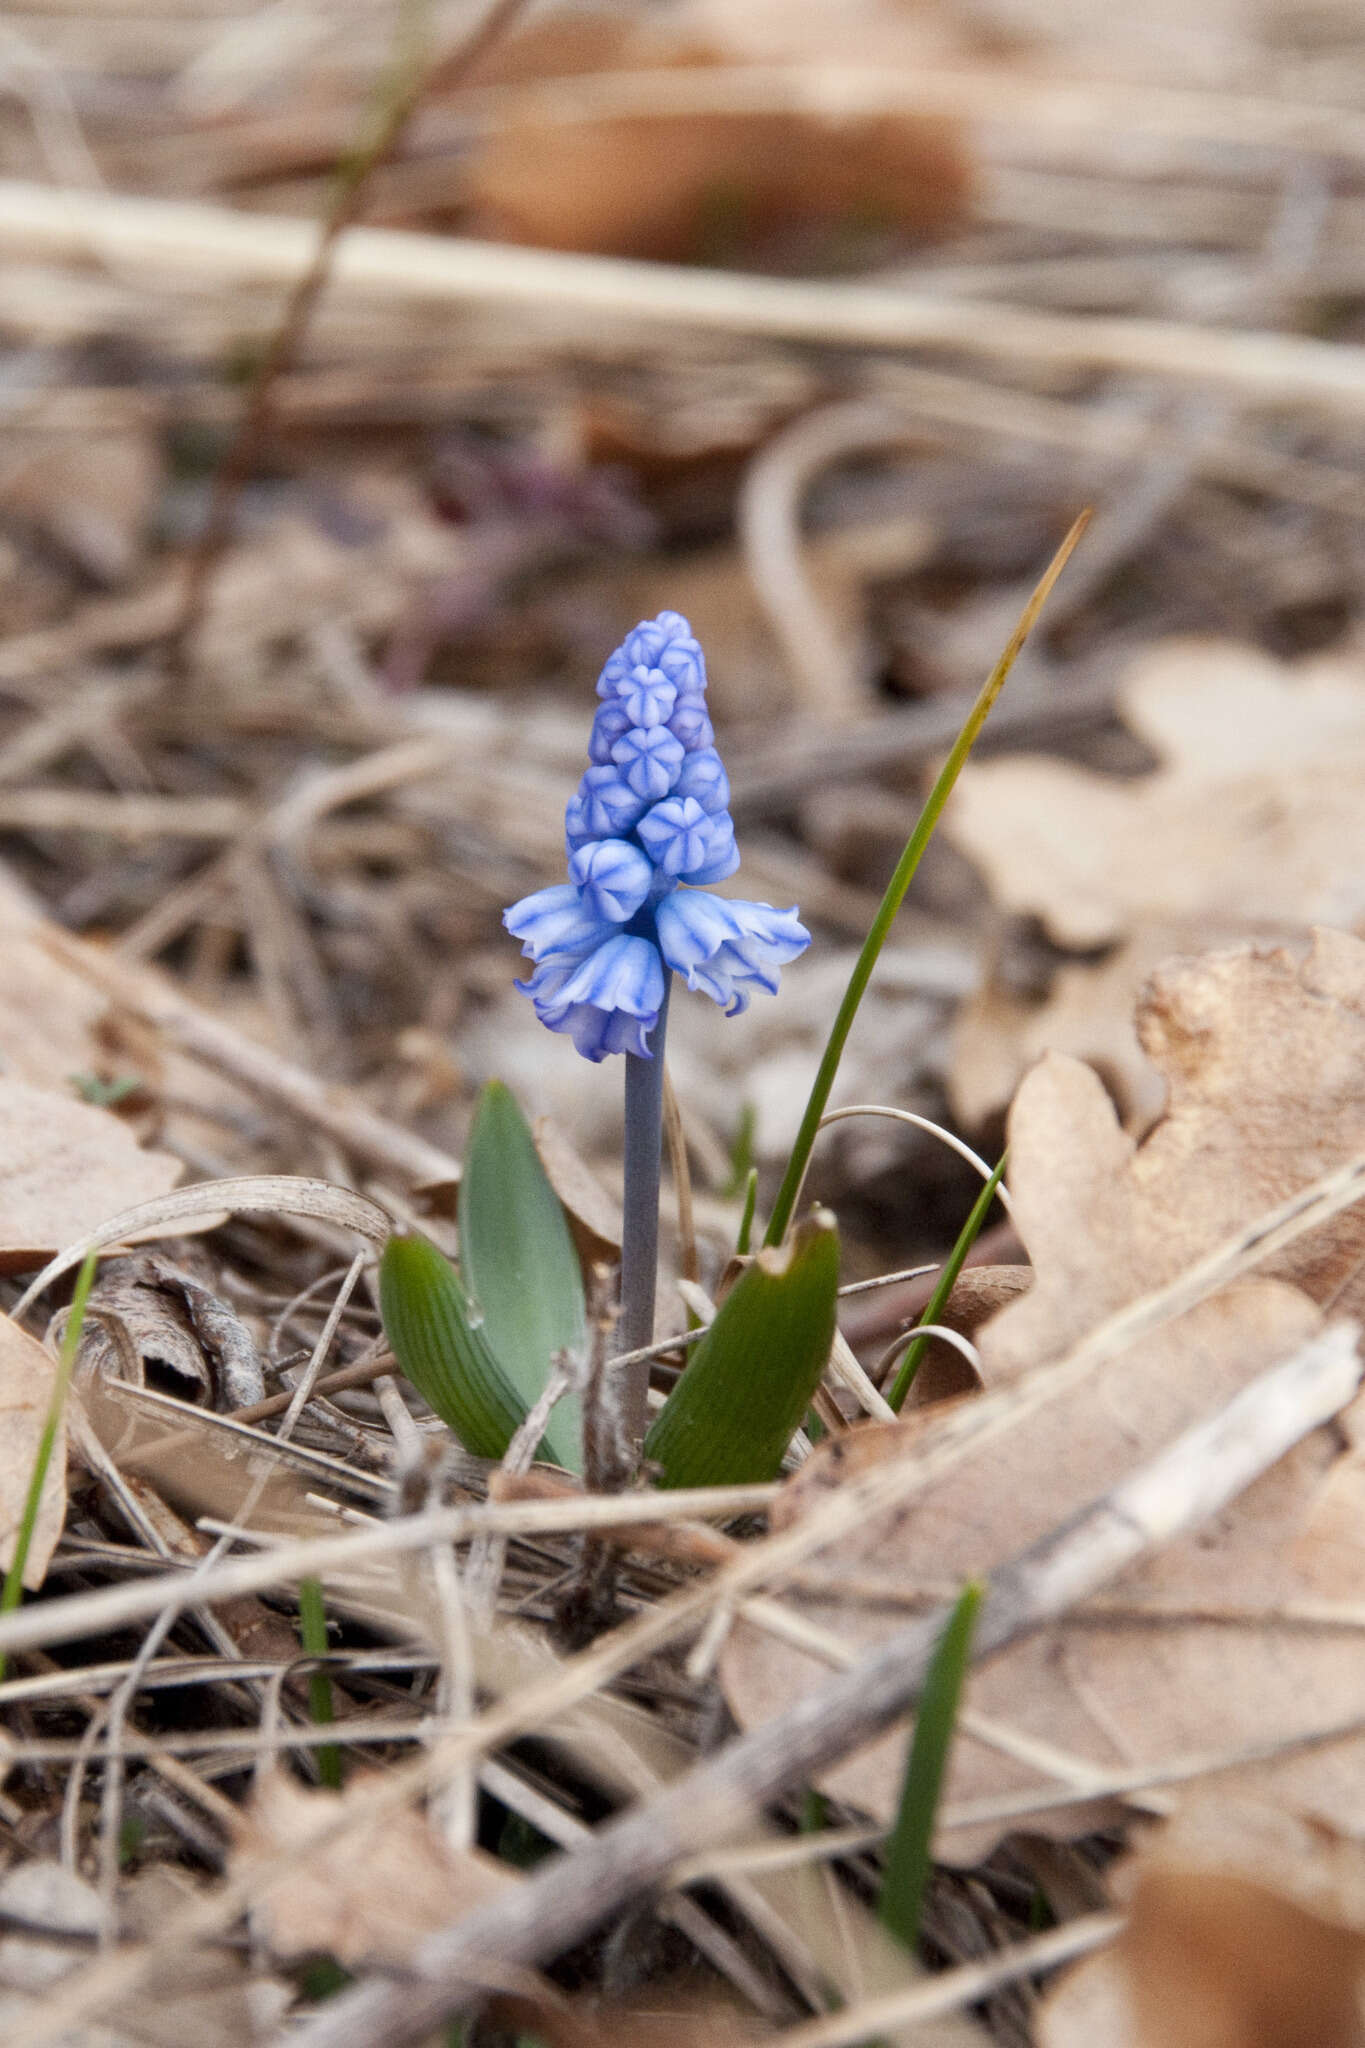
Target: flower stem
640	1236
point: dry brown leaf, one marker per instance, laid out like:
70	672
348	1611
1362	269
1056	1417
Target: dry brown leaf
1088	1012
151	1323
367	1899
209	1995
980	1291
594	1216
1265	1059
1251	827
1246	1929
93	496
27	1377
1255	813
699	186
64	1167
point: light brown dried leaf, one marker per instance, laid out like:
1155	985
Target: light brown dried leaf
1246	1929
65	1165
1088	1012
1265	1059
93	496
697	186
1251	827
1255	813
594	1217
367	1899
207	1995
27	1376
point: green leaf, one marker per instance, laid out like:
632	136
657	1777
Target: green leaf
745	1394
442	1347
322	1707
519	1262
910	1844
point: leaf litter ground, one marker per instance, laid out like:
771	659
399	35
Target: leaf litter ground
253	877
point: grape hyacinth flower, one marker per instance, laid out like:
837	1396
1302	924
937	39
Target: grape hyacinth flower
646	830
646	827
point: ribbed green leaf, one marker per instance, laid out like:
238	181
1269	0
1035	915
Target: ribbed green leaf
745	1394
518	1261
442	1347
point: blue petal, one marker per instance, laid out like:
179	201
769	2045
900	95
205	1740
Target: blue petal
723	855
611	722
596	1033
554	923
621	974
690	723
723	946
614	876
649	759
683	841
604	807
648	696
703	777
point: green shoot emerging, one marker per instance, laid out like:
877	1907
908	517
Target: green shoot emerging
910	1843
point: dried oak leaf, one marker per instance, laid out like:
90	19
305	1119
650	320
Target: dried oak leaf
1265	1060
65	1167
1245	1929
1255	811
367	1897
206	1995
1251	827
27	1376
697	184
1088	1012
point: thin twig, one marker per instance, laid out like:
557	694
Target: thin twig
180	238
872	2018
354	177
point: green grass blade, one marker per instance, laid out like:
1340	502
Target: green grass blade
13	1590
788	1193
909	1846
947	1280
518	1261
313	1636
745	1393
441	1346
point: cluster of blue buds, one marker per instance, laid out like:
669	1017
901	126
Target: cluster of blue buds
648	824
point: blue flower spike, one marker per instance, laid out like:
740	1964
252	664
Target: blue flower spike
647	827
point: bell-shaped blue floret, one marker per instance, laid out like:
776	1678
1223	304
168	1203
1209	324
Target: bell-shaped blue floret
722	946
603	807
703	778
607	1002
613	876
691	725
648	696
649	758
612	722
555	924
688	843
